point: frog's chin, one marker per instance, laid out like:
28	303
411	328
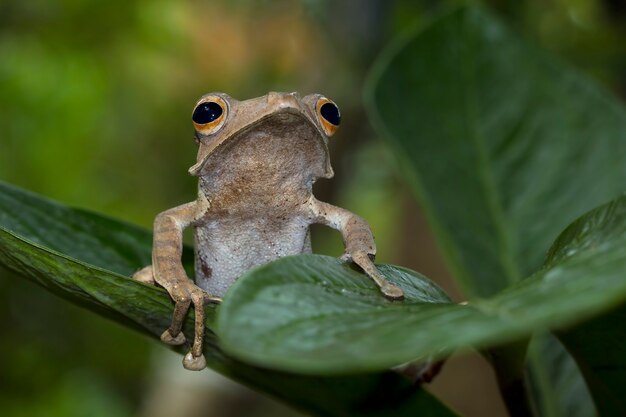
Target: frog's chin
270	124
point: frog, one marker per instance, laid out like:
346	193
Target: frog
256	165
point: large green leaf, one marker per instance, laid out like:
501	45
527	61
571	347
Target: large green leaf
503	145
598	346
317	315
558	386
86	258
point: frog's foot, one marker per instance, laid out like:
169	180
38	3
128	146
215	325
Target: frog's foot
194	363
145	275
390	291
185	293
177	340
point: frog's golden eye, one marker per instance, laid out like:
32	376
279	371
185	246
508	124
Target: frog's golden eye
329	115
209	115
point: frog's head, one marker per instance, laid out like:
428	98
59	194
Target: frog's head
221	122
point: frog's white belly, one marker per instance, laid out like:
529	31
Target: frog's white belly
228	247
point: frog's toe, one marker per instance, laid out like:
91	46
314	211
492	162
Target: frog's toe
145	275
194	363
167	337
392	292
209	299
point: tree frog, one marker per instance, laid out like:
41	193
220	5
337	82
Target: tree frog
257	162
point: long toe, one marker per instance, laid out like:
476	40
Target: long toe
209	299
392	292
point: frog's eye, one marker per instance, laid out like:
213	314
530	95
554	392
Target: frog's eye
209	115
207	112
328	114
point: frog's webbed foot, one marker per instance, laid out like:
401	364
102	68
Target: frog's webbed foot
184	293
146	275
168	337
362	259
359	242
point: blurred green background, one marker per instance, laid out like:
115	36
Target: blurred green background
95	104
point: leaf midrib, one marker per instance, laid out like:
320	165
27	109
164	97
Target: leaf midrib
512	271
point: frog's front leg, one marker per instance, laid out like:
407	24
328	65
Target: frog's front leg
168	272
358	241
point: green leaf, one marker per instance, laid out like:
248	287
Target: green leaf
315	314
93	239
503	146
598	346
319	315
86	259
591	231
560	386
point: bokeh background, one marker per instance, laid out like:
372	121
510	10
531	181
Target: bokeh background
95	104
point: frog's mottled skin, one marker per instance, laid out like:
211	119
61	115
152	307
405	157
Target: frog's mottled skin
256	165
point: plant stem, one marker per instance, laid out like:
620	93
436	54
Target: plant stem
508	363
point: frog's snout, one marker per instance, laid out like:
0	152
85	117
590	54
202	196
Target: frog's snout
284	100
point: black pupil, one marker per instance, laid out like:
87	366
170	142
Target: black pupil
206	112
330	112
